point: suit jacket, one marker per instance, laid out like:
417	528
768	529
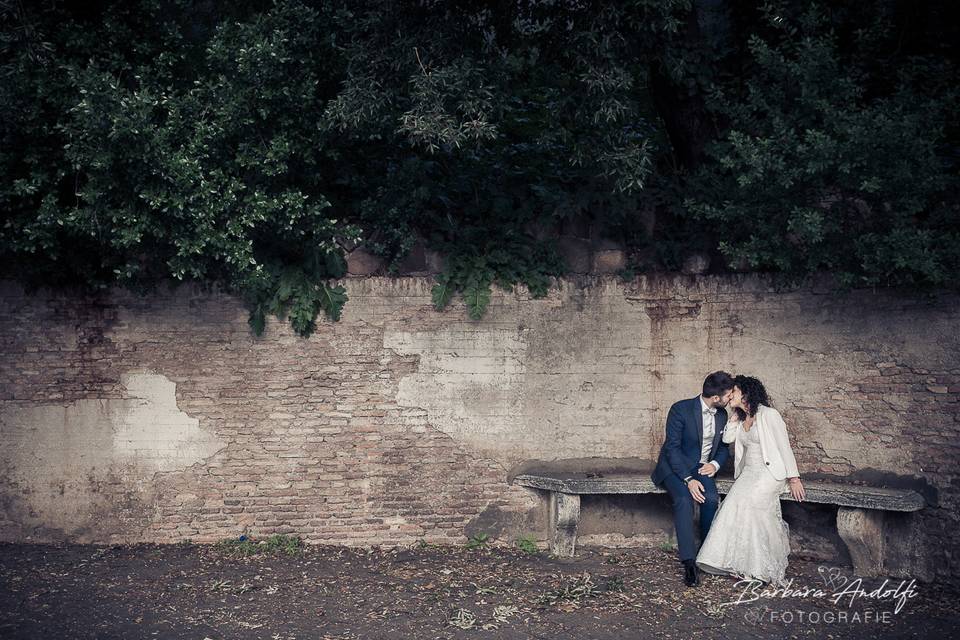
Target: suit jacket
680	453
774	443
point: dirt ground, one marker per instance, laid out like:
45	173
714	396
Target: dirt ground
211	591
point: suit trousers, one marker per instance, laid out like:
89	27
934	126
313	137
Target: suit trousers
683	511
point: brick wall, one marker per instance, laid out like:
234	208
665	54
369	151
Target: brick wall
163	418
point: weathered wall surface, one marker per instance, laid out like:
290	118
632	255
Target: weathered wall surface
163	418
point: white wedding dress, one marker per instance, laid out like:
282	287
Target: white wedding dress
748	537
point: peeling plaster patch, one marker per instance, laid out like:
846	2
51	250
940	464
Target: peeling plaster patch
470	381
850	447
152	432
68	467
532	386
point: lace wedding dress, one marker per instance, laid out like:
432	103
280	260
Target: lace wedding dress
748	537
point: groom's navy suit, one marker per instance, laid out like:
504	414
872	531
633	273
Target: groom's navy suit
679	458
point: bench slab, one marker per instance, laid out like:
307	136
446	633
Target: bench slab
844	495
878	544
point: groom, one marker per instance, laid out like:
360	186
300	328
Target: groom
692	454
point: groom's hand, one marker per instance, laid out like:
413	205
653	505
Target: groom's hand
707	469
696	490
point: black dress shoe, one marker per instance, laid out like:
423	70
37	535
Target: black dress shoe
691	575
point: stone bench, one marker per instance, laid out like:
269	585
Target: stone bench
877	544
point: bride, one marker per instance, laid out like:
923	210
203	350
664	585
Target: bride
749	538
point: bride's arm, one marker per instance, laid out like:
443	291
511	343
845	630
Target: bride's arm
731	430
782	439
783	444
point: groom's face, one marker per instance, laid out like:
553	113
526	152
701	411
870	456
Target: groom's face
725	398
720	401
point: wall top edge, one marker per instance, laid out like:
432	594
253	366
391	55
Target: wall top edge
655	284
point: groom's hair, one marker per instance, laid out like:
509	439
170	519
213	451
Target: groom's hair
717	383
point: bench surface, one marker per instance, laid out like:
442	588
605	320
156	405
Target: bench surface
845	495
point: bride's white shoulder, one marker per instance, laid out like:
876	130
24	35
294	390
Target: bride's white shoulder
769	412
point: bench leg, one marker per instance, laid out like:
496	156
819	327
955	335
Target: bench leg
564	519
862	531
884	543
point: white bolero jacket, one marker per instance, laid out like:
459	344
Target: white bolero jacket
774	443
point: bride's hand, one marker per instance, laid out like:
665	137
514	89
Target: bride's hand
796	490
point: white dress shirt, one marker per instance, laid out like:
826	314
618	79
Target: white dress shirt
709	429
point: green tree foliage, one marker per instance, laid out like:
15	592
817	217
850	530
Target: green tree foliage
248	143
830	163
147	144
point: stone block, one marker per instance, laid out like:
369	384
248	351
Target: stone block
361	262
609	261
575	253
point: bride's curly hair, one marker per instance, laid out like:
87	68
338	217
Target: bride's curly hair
754	394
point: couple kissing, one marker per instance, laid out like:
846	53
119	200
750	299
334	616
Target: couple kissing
745	535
